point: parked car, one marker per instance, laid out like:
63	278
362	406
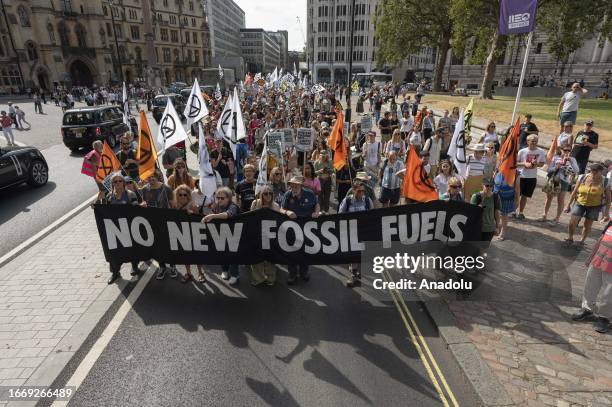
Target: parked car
22	164
160	102
82	126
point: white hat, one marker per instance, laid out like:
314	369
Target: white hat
478	147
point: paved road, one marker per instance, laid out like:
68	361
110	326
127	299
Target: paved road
26	211
315	344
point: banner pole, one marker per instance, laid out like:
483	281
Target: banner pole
520	86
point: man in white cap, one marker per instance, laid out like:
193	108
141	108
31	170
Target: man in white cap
299	203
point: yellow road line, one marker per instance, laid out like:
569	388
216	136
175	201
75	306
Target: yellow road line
422	355
421	338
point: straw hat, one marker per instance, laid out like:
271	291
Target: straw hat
297	179
478	147
362	175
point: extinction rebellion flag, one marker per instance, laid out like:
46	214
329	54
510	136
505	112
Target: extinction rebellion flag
517	16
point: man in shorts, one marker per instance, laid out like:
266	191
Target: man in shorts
529	160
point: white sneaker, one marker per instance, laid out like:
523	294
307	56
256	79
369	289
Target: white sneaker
233	281
225	275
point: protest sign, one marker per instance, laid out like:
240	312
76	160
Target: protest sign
132	233
366	123
288	139
275	142
304	140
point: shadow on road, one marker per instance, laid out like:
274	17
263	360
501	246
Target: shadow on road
18	198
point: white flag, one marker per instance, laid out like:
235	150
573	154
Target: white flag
208	180
220	72
195	109
126	107
171	129
218	94
262	178
240	132
295	73
224	123
257	77
274	76
456	150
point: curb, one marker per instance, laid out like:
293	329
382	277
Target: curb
477	374
45	232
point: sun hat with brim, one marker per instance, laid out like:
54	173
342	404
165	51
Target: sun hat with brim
296	180
362	175
478	147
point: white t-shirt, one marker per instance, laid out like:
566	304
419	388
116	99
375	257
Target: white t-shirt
441	182
406	124
536	156
433	147
415	139
372	151
489	137
570	101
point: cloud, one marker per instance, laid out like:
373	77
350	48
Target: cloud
273	15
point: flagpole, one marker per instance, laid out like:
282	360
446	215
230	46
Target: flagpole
520	86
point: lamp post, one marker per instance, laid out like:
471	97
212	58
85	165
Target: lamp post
112	3
350	66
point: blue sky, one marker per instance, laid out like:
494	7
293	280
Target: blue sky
275	15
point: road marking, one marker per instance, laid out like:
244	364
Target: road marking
420	343
96	350
23	246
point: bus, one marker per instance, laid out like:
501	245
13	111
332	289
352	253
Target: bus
366	80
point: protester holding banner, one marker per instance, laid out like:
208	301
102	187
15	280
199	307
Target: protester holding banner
278	184
224	209
301	203
264	272
455	190
120	196
358	202
489	202
182	197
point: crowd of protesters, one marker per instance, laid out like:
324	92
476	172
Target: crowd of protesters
305	185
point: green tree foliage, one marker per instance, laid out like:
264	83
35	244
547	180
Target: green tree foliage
567	23
404	27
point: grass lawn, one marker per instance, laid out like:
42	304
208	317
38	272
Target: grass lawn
542	109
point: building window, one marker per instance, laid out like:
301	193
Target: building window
81	36
118	31
191	6
133	14
193	22
176	55
64	34
135	31
187	38
174	36
196	57
172	19
105	10
102	36
163	34
51	32
66	6
31	50
195	37
138	54
165	3
167	56
24	17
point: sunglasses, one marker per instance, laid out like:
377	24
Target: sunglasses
183	195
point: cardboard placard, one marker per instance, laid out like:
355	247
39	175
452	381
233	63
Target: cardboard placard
304	139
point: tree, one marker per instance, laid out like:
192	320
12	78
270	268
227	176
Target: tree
568	23
475	30
405	27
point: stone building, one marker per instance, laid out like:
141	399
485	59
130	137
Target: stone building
72	42
260	50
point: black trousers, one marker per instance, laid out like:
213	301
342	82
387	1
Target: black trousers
294	268
115	267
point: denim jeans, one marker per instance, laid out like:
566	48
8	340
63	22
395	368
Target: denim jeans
232	269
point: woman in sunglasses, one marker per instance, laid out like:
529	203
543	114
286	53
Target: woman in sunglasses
180	175
120	196
560	173
264	272
277	184
182	197
490	135
454	192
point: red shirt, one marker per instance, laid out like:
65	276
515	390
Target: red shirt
602	259
6	121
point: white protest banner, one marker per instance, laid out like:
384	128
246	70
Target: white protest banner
366	123
304	139
275	142
288	140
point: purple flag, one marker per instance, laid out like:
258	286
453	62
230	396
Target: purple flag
517	16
